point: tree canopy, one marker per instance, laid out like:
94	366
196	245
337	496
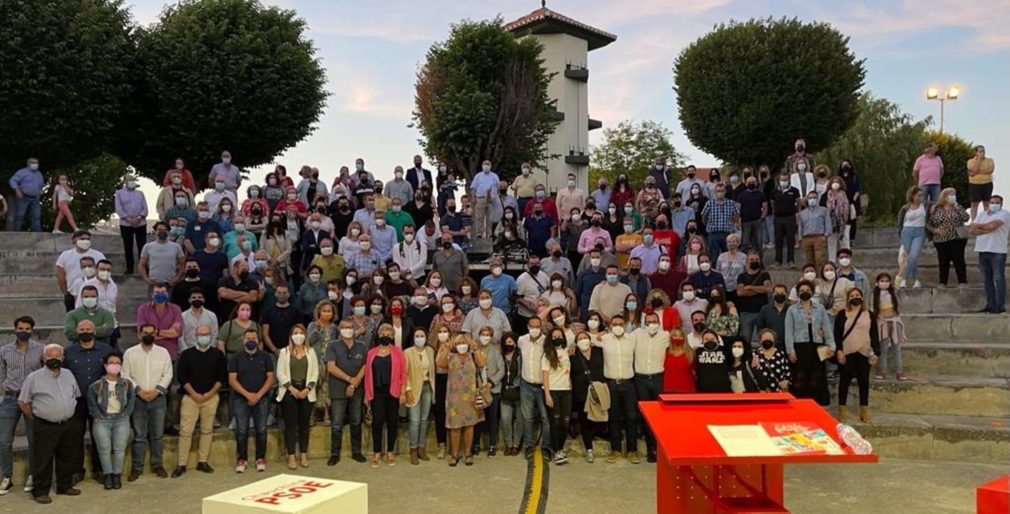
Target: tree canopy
482	94
631	148
223	74
746	91
64	79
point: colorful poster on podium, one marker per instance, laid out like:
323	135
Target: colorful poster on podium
773	439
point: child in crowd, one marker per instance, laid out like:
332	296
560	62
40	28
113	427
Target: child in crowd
63	194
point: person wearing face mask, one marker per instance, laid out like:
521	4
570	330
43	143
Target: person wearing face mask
814	228
385	382
225	214
383	237
297	378
601	195
131	208
411	254
418	175
540	228
467	295
84	360
170	191
587	373
721	315
273	192
491	376
239	286
531	395
649	195
345	365
556	262
773	365
312	292
227	172
800	166
810	274
291	201
180	171
311	239
232	247
17	360
856	331
486	315
397	218
784	201
419	392
403	325
195	316
110	401
161	260
483	188
833	288
365	327
183	206
48	397
202	372
341	214
255	197
450	263
588	279
689	303
773	315
678	365
618	369
68	265
331	263
808	329
712	364
278	319
525	186
571	231
310	188
821	182
608	297
651	343
149	367
462	363
891	328
165	317
250	377
706	278
557	295
752	289
720	217
836	200
350	244
421	310
744	377
693	250
571	196
509	398
102	321
946	224
545	202
557	386
198	231
753	210
731	264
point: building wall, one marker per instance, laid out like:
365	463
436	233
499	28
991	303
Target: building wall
573	100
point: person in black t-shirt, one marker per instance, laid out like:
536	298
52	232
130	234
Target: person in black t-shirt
192	280
785	204
752	289
239	287
712	363
278	319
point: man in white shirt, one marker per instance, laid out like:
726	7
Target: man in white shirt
609	296
149	367
651	343
214	196
529	286
689	303
194	317
87	272
531	387
618	368
991	229
411	254
68	265
571	197
483	187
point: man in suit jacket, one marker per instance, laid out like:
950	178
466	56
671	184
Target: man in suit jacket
417	174
310	240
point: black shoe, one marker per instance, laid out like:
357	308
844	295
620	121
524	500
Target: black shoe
998	311
171	431
984	311
160	472
333	460
99	477
117	481
359	457
133	476
492	451
70	492
204	467
43	499
76	479
528	453
108	481
651	457
547	453
178	471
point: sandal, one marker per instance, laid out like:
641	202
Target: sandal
390	459
468	461
453	460
376	458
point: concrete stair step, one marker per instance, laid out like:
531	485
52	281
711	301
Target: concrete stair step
29	285
934	437
968	359
956	327
929	276
937	395
51	311
54	334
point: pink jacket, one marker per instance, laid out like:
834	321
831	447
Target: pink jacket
399	372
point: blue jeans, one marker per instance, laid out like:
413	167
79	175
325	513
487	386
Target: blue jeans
148	422
912	238
10	413
748	323
768	230
993	267
31	206
716	244
419	417
345	409
931	192
111	435
532	396
623	415
511	421
241	409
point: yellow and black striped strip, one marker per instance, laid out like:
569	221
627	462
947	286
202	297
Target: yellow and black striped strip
537	479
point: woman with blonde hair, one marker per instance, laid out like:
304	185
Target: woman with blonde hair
821	182
678	366
912	223
322	329
297	378
461	362
419	393
946	224
440	335
858	343
695	248
659	302
349	243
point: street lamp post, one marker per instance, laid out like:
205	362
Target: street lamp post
933	93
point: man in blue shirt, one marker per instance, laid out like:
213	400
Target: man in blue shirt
588	279
601	195
27	184
483	186
720	216
679	216
501	286
705	279
197	230
452	219
86	360
539	229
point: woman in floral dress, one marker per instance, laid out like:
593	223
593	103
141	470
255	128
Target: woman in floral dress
461	412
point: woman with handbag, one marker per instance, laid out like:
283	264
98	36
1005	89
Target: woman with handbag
511	414
859	342
492	374
587	367
556	368
463	410
950	236
385	382
809	341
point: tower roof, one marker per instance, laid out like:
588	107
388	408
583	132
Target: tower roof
546	21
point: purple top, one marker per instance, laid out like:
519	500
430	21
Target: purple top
130	203
230	173
170	318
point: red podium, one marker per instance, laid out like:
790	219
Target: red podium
695	475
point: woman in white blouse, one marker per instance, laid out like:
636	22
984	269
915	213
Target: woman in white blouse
297	376
912	220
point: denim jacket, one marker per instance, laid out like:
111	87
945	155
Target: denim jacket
98	398
797	330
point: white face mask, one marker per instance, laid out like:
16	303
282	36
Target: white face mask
583	344
89	303
350	279
496	270
365	246
448	307
326	250
593	324
738	352
420	301
89	271
595	261
332	295
485	303
617	330
534	333
485	340
705	266
104	275
844	262
689	296
443	336
556	284
298	339
376	309
559	321
409	238
462	347
420	341
810	275
84	244
829	275
653	328
355	232
836	186
347	333
435	282
664	265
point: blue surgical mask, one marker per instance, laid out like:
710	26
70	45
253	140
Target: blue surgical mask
647	239
995	207
420	341
611	279
631	305
359	311
160	297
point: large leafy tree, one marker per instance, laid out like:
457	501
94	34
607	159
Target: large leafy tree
64	69
224	74
482	94
631	148
94	182
746	91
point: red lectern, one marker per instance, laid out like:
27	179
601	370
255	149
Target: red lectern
695	475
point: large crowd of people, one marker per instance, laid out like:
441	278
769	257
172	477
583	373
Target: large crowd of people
355	303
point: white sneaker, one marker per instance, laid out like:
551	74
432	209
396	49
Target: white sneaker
916	285
240	466
5	486
261	465
29	484
589	456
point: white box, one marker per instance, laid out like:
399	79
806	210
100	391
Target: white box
291	494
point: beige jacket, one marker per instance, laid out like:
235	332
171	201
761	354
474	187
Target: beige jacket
415	372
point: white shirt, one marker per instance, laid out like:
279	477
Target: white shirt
528	288
70	261
694	340
618	356
213	198
650	351
411	258
916	217
559	379
190	322
150	369
115	404
532	352
995	241
685	308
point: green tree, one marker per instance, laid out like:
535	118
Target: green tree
94	182
64	70
747	91
223	74
631	148
482	94
882	145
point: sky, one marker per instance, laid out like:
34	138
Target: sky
371	51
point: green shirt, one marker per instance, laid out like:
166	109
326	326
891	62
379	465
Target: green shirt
104	322
398	220
232	334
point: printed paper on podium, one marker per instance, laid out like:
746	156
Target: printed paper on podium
744	440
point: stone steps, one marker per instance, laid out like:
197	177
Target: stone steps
966	359
956	327
51	311
54	334
931	437
929	276
35	285
936	395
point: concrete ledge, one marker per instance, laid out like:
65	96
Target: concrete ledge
956	327
973	439
950	396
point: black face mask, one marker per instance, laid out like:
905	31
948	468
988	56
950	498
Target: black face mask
447	245
596	223
192	273
855	302
243	276
656	303
677	204
197	304
780	298
692	230
711	345
767	344
86	337
385	341
806	295
754	265
509	348
534	269
54	363
634	271
147	339
558	341
698	327
556	254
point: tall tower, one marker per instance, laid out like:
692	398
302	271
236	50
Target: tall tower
567	44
